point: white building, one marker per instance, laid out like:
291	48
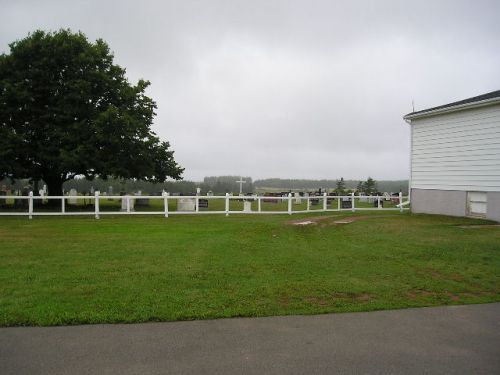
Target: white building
455	158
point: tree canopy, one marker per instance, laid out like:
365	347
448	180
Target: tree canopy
66	110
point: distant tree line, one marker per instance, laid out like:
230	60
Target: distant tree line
226	184
368	186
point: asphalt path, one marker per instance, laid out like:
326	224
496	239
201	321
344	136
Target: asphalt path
439	340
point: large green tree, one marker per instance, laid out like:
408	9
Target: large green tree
66	110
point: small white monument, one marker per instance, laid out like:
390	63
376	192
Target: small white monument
210	193
72	193
124	203
247	206
298	199
186	204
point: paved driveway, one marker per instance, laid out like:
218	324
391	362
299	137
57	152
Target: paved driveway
442	340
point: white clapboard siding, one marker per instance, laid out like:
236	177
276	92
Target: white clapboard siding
457	151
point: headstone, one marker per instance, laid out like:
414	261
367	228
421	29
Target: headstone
346	203
202	203
186	204
143	202
3	201
124	203
210	193
247	206
298	199
271	198
198	191
26	192
72	193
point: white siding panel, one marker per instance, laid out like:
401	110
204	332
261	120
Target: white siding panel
457	151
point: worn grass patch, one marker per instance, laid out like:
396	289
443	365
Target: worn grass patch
134	269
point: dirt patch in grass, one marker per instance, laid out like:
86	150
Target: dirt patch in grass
437	275
337	297
311	220
330	220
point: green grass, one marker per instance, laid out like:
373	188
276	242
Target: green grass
59	270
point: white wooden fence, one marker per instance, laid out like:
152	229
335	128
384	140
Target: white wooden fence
335	204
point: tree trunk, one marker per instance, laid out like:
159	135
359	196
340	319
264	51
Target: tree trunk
54	187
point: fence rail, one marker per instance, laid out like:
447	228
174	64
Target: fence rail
289	204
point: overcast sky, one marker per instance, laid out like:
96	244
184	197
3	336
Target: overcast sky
290	89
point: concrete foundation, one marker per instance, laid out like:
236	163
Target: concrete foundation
450	202
493	207
442	202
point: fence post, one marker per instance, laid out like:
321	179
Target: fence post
259	204
63	205
96	204
400	201
325	202
165	203
227	204
289	203
197	204
30	205
338	203
308	207
127	197
353	205
378	202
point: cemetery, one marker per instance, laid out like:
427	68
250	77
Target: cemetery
164	203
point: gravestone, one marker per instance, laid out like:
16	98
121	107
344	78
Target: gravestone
72	193
298	199
3	192
124	203
346	203
202	203
247	206
186	204
210	193
142	202
25	193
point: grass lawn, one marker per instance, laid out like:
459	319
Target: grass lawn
60	270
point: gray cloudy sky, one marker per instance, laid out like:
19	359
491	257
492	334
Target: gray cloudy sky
290	89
